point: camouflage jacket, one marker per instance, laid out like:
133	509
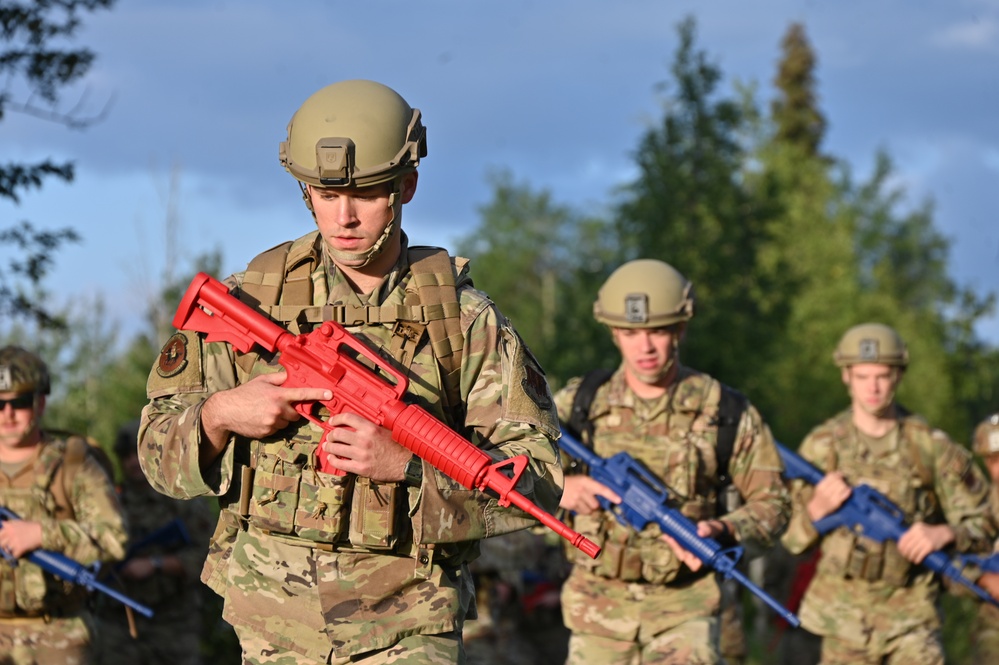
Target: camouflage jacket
866	592
396	552
90	529
675	437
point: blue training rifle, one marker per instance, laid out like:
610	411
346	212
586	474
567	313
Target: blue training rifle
644	500
869	513
70	570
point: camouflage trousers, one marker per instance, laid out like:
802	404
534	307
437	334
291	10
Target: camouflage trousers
63	641
985	636
622	623
445	649
921	646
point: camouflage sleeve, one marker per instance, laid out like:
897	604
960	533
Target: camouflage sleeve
98	532
186	373
509	412
564	397
756	471
801	534
964	495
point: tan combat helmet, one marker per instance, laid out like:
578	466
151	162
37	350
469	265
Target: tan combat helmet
644	293
871	343
23	372
986	439
353	134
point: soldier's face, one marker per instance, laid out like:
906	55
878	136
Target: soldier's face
18	418
992	464
648	353
352	219
871	386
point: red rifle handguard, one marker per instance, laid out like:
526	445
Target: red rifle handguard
317	359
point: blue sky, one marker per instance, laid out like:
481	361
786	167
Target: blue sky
558	92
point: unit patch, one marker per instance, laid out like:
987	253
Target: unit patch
173	356
536	387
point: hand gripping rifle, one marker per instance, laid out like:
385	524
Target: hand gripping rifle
644	499
70	570
325	358
869	513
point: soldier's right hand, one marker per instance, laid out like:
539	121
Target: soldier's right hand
829	495
990	582
581	492
256	409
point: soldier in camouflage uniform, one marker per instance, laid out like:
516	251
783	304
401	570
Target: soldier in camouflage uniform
162	575
985	636
371	566
67	504
871	602
646	600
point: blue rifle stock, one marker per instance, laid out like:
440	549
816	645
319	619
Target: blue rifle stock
869	513
70	570
987	564
171	535
644	500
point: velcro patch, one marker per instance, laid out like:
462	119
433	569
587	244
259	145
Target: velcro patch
173	356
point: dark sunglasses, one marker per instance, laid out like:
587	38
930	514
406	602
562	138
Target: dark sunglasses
25	401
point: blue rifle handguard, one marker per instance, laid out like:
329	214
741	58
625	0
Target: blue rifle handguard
70	570
644	500
869	513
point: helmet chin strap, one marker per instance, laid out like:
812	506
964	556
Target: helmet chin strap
667	368
361	259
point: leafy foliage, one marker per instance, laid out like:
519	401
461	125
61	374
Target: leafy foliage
37	63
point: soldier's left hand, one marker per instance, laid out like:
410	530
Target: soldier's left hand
922	539
365	449
19	537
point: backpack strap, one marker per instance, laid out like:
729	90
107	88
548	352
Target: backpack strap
579	424
433	287
731	405
61	485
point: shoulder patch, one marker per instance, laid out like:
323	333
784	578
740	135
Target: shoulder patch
178	368
536	387
173	356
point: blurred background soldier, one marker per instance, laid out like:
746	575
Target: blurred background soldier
869	601
168	542
985	635
645	599
67	504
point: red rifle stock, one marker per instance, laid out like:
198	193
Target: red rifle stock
317	360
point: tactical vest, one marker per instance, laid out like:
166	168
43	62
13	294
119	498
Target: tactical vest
287	496
902	474
692	464
42	490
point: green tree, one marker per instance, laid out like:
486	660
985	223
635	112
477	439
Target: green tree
542	263
38	65
688	207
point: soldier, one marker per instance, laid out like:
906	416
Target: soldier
645	599
985	635
66	503
168	541
871	602
370	566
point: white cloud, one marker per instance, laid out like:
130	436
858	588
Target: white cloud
975	34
